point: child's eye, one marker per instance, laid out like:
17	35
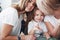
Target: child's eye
37	14
41	15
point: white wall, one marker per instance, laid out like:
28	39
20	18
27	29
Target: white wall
7	3
15	1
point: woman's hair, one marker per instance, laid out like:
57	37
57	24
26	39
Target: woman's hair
55	4
21	5
57	7
47	6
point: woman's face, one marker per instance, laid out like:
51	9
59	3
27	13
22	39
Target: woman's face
29	6
38	16
57	12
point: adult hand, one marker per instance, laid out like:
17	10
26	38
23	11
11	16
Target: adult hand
22	36
30	37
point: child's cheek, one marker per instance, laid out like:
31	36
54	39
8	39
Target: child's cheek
36	18
42	18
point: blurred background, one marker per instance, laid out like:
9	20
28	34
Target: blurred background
6	3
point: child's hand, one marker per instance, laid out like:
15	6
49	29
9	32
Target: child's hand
36	26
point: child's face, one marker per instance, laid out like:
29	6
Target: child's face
38	16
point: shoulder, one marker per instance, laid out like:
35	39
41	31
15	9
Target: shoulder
48	18
10	10
31	22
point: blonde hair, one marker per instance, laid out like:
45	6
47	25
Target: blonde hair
21	4
46	6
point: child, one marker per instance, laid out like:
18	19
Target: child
37	23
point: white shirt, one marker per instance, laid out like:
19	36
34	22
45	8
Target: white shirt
32	24
10	16
51	19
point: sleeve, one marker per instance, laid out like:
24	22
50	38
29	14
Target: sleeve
10	17
45	29
46	19
29	27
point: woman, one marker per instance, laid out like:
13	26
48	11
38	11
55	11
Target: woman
52	22
10	23
44	5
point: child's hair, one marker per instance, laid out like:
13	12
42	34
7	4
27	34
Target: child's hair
34	11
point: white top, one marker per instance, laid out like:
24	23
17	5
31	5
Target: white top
32	24
51	19
10	16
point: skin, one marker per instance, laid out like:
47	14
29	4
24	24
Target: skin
29	7
5	34
51	29
38	17
34	1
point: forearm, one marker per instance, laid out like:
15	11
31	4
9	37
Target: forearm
51	28
47	35
56	29
10	38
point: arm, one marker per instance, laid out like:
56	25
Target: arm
35	28
32	27
31	32
51	29
47	35
5	34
